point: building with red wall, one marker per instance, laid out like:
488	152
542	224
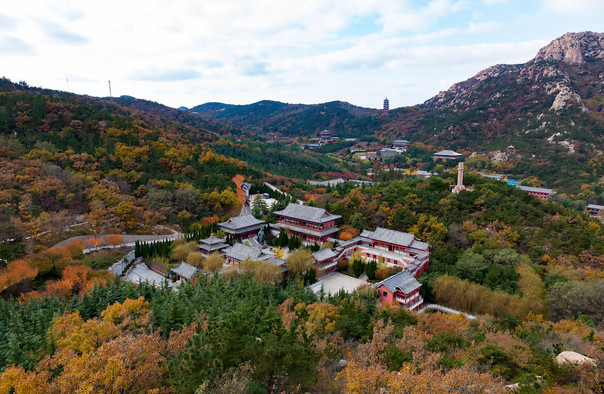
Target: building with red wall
403	289
311	224
396	248
594	210
539	192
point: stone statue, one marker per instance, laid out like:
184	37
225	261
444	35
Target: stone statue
261	236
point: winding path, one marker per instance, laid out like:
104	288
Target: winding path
444	309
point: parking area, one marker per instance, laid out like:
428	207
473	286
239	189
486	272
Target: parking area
336	281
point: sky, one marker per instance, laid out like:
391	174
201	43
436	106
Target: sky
189	52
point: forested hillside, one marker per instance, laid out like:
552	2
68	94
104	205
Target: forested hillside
513	252
61	158
341	118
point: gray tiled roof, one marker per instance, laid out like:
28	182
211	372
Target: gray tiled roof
304	212
213	240
389	236
402	281
241	252
239	222
419	245
594	206
323	254
185	270
447	153
214	247
535	189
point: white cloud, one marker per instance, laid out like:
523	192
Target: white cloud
185	52
573	6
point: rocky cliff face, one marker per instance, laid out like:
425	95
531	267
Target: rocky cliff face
547	73
574	48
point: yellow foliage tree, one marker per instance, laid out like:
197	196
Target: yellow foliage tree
213	262
300	261
429	229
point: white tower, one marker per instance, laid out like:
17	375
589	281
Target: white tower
459	187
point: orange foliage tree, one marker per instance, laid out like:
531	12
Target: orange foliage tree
15	272
115	239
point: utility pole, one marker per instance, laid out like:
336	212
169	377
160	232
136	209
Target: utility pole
110	89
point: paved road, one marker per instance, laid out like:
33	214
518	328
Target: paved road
128	239
280	191
48	231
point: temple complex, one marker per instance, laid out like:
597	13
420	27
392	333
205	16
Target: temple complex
539	192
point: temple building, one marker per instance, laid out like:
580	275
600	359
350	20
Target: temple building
386	106
309	223
403	289
447	154
539	192
396	248
240	252
245	226
326	136
212	244
403	144
325	261
594	210
183	271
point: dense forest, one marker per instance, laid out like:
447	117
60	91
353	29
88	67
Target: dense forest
237	335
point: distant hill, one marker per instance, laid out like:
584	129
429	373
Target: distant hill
295	119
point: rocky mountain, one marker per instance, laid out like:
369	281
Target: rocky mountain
294	119
551	109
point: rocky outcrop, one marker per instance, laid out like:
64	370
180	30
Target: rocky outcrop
573	358
565	97
574	48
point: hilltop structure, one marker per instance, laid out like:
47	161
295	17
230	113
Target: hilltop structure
401	144
386	106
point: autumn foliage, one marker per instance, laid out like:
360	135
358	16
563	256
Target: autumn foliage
15	272
115	239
